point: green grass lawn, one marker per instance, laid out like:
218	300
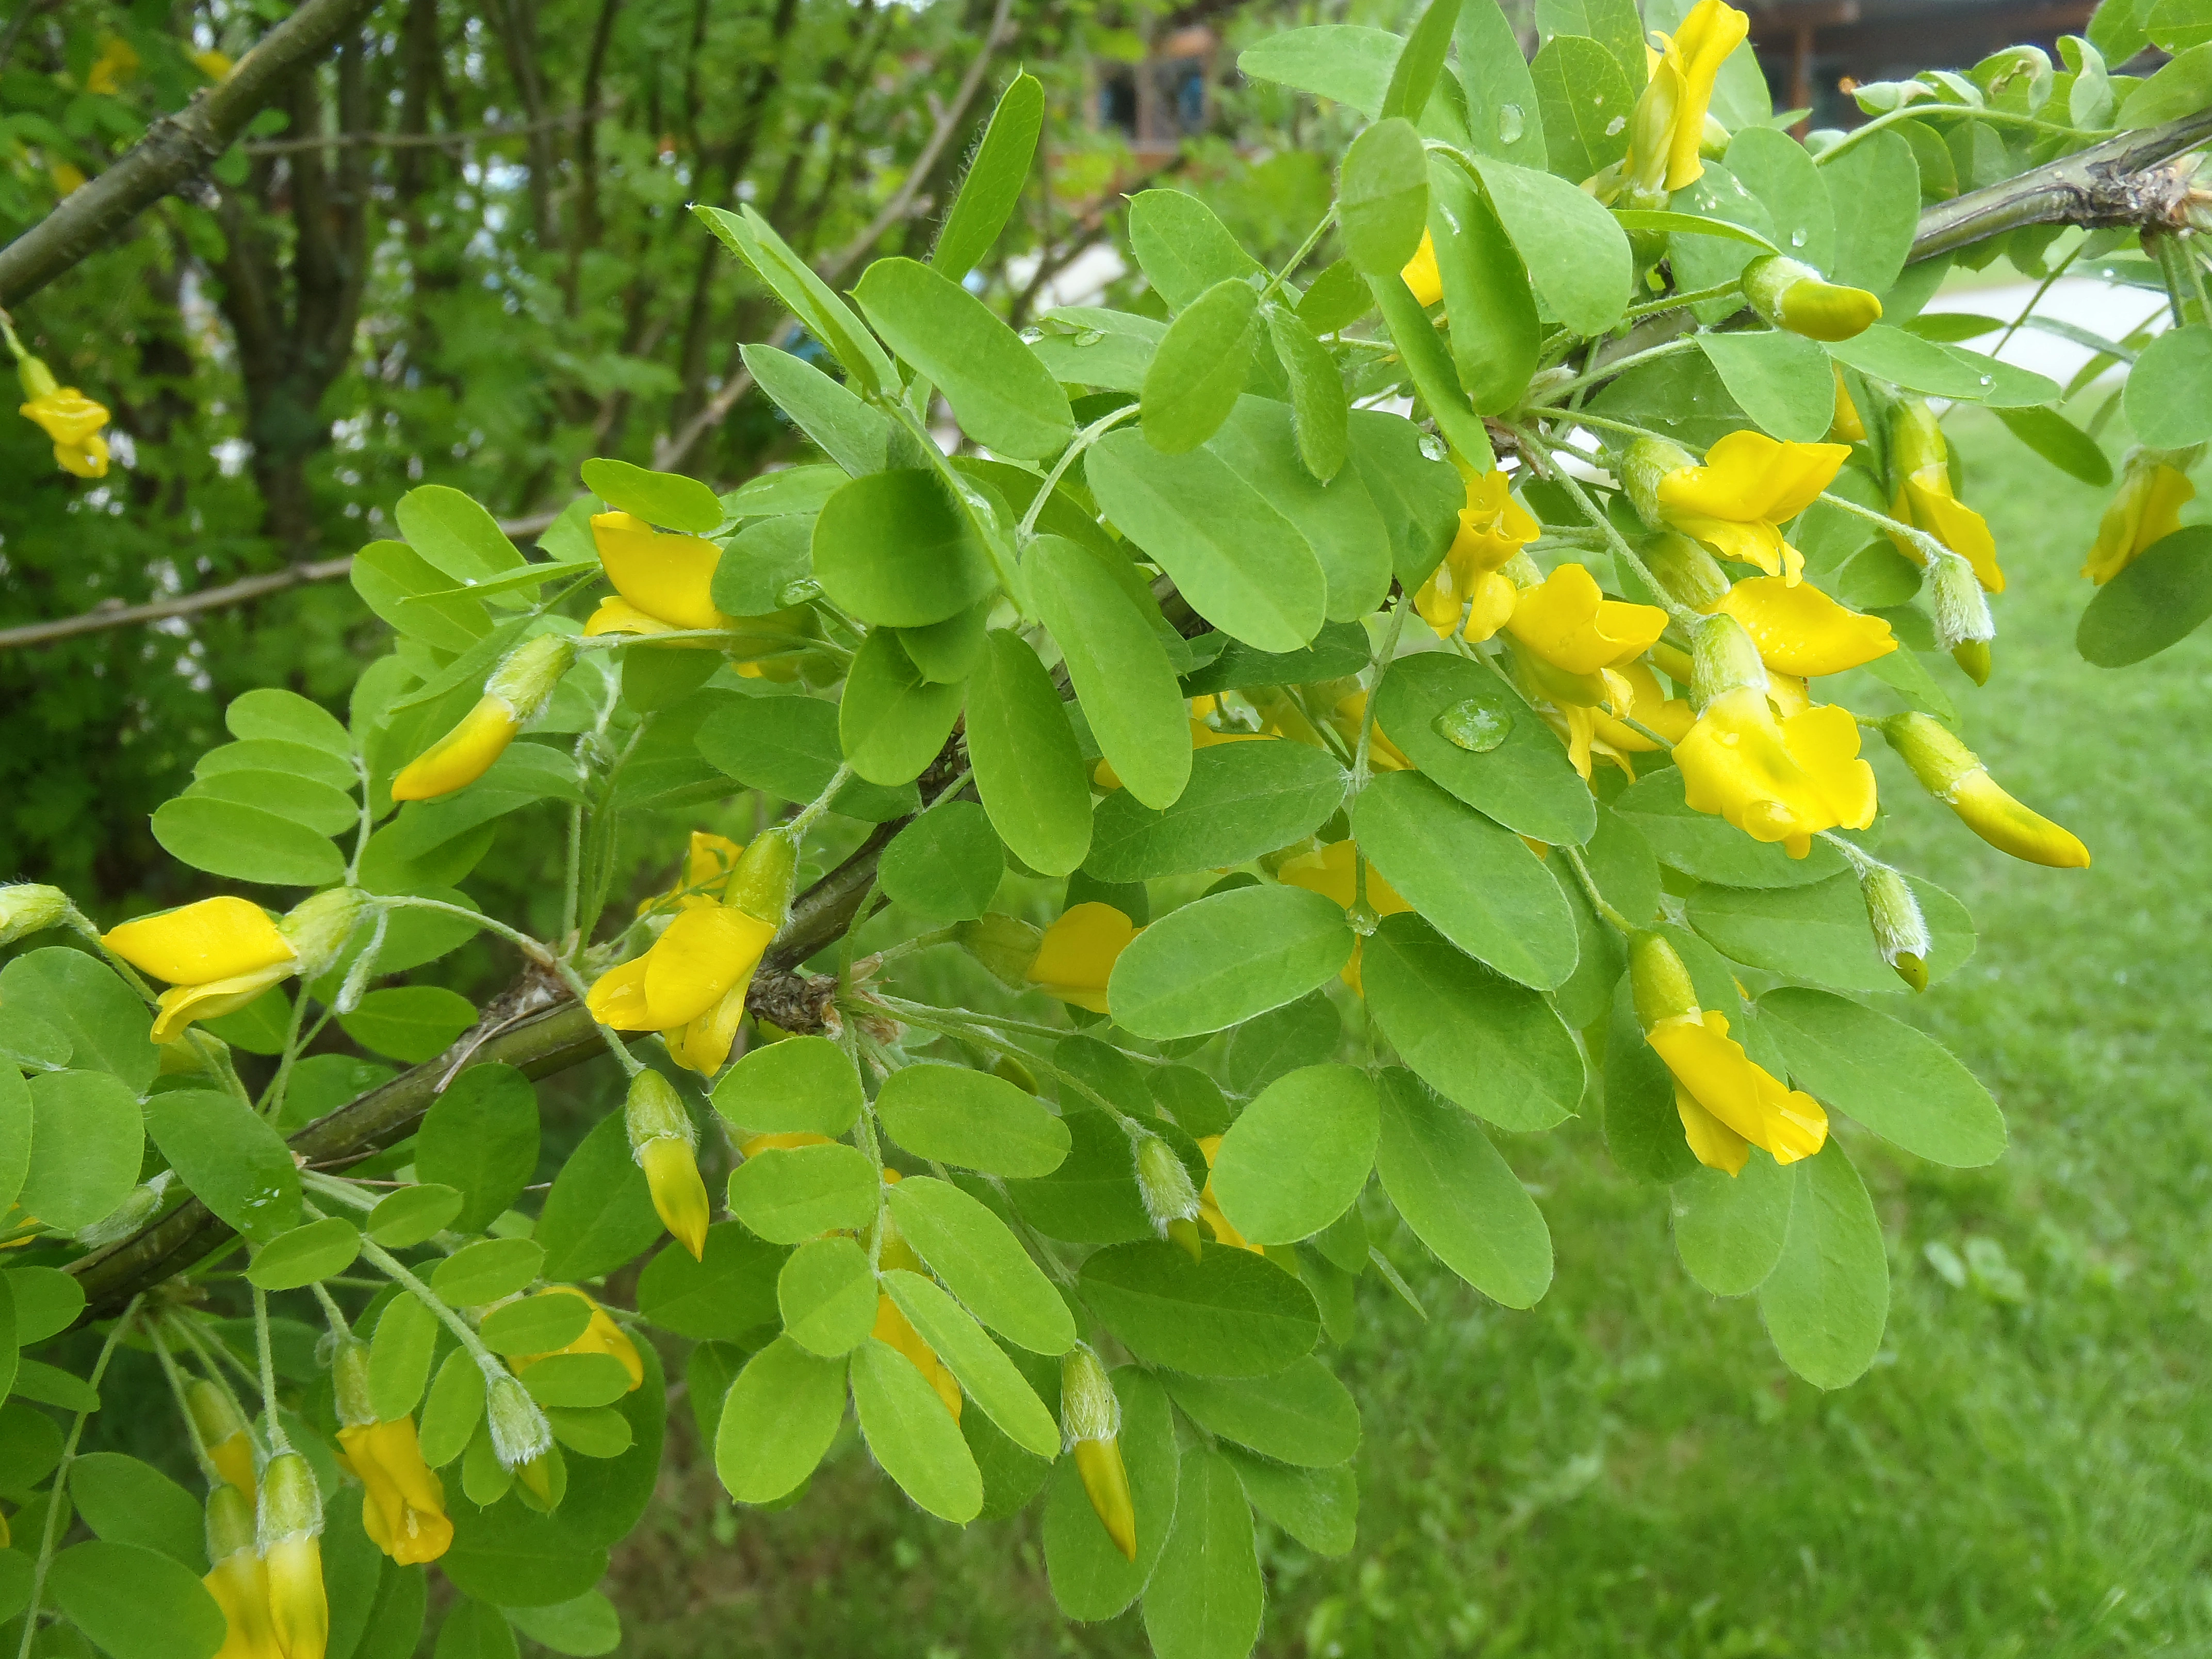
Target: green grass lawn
1628	1468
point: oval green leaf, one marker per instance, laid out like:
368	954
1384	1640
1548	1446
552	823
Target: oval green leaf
1299	1155
1216	962
971	1118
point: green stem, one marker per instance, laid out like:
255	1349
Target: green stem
272	1097
1598	903
1533	445
391	1266
806	817
278	1444
175	1378
1677	301
1089	435
1306	247
1621	365
1921	110
51	1535
1380	661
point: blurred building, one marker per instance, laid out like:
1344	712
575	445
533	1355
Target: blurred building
1158	103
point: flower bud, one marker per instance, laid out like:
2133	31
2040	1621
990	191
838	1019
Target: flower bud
520	1432
1954	775
1658	980
766	874
318	928
222	1432
1724	660
1915	437
528	677
1685	570
1847	426
1645	463
291	1503
230	1524
1900	934
1170	1198
290	1521
1962	609
1090	1421
518	689
1011	1069
350	1381
37	379
1004	944
1793	295
27	907
662	1142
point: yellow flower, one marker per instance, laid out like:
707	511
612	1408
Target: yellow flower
1792	295
1777	780
239	1578
1920	459
698	969
1594	733
1954	775
1492	528
1737	501
665	581
894	1328
1421	273
291	1517
1800	630
1328	871
69	179
217	955
707	861
1669	121
116	64
518	690
1847	427
1077	954
662	1141
1091	1424
404	1507
1570	623
602	1335
222	1432
73	421
2145	508
216	66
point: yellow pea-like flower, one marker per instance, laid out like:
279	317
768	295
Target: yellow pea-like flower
1091	1427
1666	130
664	1142
1954	775
665	582
1800	630
602	1335
2145	508
708	861
1737	502
1792	295
117	63
1492	528
238	1581
1329	871
290	1526
894	1328
1777	779
517	691
1421	275
218	955
65	415
1920	461
403	1508
1076	957
1847	427
222	1433
1569	622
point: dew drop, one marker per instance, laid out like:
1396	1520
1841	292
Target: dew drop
1031	335
1616	126
1796	239
1474	725
797	592
1989	380
1433	447
1091	337
1510	121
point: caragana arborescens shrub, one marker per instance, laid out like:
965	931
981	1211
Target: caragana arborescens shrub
1440	672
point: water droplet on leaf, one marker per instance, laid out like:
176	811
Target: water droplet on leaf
1796	239
1433	447
1474	725
1615	126
797	592
1511	122
1091	337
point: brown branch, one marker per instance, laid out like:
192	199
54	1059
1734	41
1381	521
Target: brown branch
573	118
175	149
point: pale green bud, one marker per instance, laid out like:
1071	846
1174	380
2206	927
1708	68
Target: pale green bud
291	1503
28	908
1724	660
1089	1408
520	1432
318	928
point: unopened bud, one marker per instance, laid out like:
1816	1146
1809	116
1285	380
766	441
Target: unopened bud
1646	462
1962	608
37	381
1090	1423
28	908
229	1523
1011	1069
529	673
654	1111
1792	295
291	1503
767	871
1724	660
1685	570
520	1432
1170	1198
1089	1408
1659	982
1901	932
350	1379
1954	775
318	928
1915	437
1004	944
1847	426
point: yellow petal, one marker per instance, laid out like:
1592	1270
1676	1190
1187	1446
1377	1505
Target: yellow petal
1776	780
2009	827
667	577
1953	523
617	998
1078	952
299	1612
1328	871
403	1506
1711	1141
463	754
679	1196
1421	273
239	1584
180	1005
2145	508
214	939
1800	630
1495	596
1492	527
1825	744
1716	1071
699	957
1570	623
1106	1483
1847	427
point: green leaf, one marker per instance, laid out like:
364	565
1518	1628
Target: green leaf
1612	24
136	1603
809	299
1216	962
399	1358
1119	668
1505	118
14	1134
231	1158
1459	1195
86	1142
1182	248
1709	848
455	533
1782	380
2060	442
1206	1599
1729	1229
1576	256
1004	397
1243	799
47	1302
1820	932
480	1137
1779	171
310	804
572	1381
475	1630
2162	597
124	1501
1090	1580
852	433
1415	77
981	1263
666	499
1434	376
286	717
1899	1082
1341	520
306	1254
1917	365
1383	198
524	1559
891	721
1199	366
893	547
1478	884
1345	63
2175	25
826	1296
2181	88
725	1295
413	1214
981	1368
1692	224
1320	408
1477	1039
1298	1157
1300	1415
1229	1314
487	1270
1336	299
1495	332
994	184
1238	562
952	1114
1301	1033
1873	189
781	1416
1340	648
79	997
1027	768
244	843
1827	1298
945	865
455	1407
2169	389
1110	349
788	745
599	1214
1320	1508
534	1325
944	653
799	1084
410	1023
791	491
587	1626
1586	100
794	1192
1419	498
913	1436
1092	1198
1526	782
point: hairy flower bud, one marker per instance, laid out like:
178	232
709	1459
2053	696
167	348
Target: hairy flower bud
290	1522
1091	1424
1723	658
1901	932
1170	1198
1658	980
517	691
1646	461
349	1382
27	907
766	873
1004	944
318	928
1792	295
520	1432
1954	775
221	1430
1685	570
664	1143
